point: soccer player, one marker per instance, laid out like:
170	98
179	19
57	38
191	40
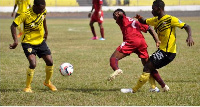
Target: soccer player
33	41
133	42
164	25
96	16
22	7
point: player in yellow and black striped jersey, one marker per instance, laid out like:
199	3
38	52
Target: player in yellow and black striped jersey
164	25
34	41
22	7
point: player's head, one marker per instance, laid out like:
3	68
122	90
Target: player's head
118	11
158	7
39	6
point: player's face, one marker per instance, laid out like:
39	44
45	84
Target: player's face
39	8
155	10
117	14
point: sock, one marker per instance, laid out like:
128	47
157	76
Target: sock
114	63
152	82
49	73
29	74
142	80
157	77
102	32
93	31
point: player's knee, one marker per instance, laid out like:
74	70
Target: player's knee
49	63
146	69
32	65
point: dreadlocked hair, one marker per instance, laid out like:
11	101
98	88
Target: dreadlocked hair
39	2
159	3
120	11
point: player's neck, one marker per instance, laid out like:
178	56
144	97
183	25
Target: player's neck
161	15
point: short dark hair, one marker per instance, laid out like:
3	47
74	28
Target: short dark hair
120	11
159	3
39	2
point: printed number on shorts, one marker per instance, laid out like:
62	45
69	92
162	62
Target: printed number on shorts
158	55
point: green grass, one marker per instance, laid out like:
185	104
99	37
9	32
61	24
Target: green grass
69	41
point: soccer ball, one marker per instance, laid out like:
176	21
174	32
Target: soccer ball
66	69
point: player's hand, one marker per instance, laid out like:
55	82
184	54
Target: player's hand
190	41
138	16
13	46
89	15
158	44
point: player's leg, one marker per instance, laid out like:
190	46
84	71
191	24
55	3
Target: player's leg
115	57
45	53
30	72
101	31
151	79
93	30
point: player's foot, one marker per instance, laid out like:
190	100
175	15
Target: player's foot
154	90
166	88
94	38
51	86
102	39
127	90
28	90
20	34
115	74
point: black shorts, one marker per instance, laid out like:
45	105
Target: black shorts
39	50
161	58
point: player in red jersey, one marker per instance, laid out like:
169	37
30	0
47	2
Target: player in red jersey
96	16
133	42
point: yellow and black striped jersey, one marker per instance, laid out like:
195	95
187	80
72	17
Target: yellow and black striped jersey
22	5
33	26
165	28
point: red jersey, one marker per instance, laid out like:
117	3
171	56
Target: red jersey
97	4
131	29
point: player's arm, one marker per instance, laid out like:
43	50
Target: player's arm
45	29
189	39
155	37
89	15
14	36
15	6
140	19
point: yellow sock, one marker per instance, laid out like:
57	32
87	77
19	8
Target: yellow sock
49	73
142	80
29	73
152	82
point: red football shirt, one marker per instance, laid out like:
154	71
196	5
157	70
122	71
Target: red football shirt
131	29
97	4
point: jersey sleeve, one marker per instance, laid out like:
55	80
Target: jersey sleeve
143	27
151	21
20	19
176	22
28	2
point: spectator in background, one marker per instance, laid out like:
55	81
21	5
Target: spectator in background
96	16
22	7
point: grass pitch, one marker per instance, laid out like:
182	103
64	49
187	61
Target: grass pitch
69	41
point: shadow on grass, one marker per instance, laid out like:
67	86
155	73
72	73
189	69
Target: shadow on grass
10	90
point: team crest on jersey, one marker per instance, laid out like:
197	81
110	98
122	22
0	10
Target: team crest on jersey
29	50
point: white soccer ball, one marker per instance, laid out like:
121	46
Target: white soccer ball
66	69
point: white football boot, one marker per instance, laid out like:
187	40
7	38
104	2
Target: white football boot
154	90
127	90
166	88
115	74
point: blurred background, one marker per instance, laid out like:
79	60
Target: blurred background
107	2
